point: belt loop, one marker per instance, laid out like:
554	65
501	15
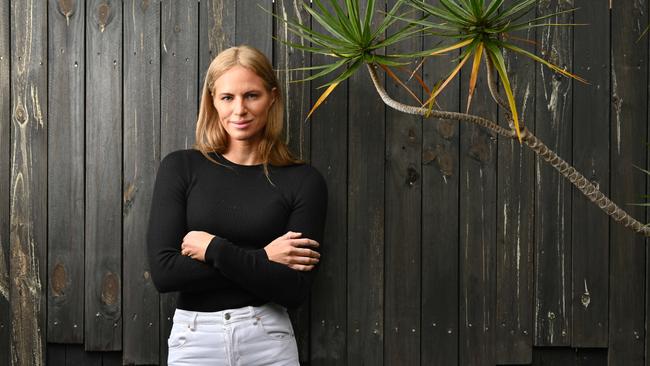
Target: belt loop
192	323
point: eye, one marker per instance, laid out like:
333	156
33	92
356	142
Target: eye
252	96
226	97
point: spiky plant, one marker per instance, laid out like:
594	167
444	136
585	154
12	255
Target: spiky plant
477	28
350	39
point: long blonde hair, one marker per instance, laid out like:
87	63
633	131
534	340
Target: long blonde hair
210	134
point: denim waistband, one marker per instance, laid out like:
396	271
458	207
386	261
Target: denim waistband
228	316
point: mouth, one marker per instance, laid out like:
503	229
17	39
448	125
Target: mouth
241	124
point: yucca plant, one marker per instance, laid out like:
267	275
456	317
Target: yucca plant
481	29
350	39
478	29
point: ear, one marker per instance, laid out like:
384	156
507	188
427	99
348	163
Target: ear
274	93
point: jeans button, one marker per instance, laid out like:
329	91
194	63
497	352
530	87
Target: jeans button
227	316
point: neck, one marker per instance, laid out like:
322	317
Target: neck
243	153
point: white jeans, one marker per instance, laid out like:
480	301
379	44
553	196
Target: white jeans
248	336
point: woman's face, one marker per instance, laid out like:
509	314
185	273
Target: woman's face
243	104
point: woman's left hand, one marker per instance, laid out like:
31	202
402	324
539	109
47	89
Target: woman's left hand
195	243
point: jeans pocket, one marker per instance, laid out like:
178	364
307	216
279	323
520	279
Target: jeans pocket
178	336
276	326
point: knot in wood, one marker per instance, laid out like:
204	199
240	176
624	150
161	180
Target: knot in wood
110	289
58	280
66	7
21	114
412	176
445	129
103	15
480	151
428	156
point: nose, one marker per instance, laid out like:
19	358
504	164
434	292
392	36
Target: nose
239	108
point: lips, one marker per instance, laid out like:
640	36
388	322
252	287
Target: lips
241	124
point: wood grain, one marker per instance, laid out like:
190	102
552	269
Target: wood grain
66	174
141	131
553	106
515	220
28	210
5	181
590	229
103	260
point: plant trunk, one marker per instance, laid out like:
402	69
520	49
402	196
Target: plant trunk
530	140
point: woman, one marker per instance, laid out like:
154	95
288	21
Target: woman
235	223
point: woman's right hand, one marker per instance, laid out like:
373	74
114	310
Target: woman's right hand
293	251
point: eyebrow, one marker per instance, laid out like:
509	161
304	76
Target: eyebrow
247	92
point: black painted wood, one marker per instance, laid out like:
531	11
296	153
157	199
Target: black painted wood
5	180
477	216
103	257
28	157
183	65
76	355
515	210
141	130
590	229
628	124
440	220
253	26
296	98
553	106
402	226
366	215
329	128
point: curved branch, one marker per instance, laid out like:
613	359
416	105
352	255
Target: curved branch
541	150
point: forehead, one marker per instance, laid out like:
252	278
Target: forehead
238	79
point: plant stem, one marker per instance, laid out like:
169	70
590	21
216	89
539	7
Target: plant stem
530	140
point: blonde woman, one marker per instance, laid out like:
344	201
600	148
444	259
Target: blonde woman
236	223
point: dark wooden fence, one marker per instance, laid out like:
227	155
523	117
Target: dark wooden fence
444	244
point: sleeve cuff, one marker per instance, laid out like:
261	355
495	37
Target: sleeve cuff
214	250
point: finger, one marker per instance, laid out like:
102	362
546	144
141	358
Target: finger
300	267
303	260
292	234
304	252
305	243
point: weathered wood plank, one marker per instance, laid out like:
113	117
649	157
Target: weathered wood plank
365	253
141	141
66	173
590	229
553	107
591	356
629	72
440	184
514	227
252	22
628	133
103	296
297	134
179	57
5	180
75	355
550	356
28	212
55	354
179	62
403	219
329	127
477	212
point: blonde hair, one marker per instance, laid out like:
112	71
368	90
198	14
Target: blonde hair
210	134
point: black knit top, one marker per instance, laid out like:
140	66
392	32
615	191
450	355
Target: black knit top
245	211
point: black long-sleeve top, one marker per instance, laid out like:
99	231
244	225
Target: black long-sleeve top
239	205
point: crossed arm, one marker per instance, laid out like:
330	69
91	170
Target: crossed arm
280	272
